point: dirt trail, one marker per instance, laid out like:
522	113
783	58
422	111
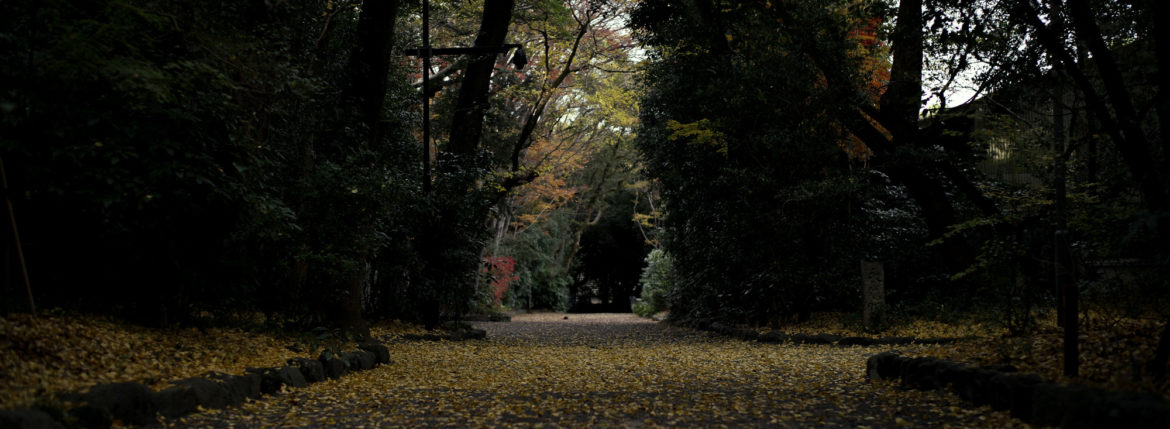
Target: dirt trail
607	370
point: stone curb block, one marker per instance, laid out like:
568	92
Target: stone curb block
773	337
487	318
209	394
89	416
474	334
1027	396
176	401
129	402
380	351
856	341
273	379
239	387
335	366
814	339
311	369
359	360
291	377
27	418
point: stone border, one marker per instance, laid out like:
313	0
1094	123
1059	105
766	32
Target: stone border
775	337
462	335
1027	396
453	330
492	317
136	404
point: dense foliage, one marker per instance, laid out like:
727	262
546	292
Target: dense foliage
171	161
792	139
657	282
168	156
766	213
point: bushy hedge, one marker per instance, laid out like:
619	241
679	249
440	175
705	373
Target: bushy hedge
658	282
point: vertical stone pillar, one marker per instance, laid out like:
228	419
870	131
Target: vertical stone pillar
873	294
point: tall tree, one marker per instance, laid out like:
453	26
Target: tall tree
467	122
369	67
738	128
454	235
369	64
891	129
1111	100
286	180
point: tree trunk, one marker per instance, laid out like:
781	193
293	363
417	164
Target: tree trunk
467	124
1134	147
368	67
1157	365
930	197
1126	134
1162	52
370	62
899	110
903	97
899	113
456	211
1123	129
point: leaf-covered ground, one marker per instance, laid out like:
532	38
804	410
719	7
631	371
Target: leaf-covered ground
1113	353
609	370
606	371
1113	348
40	356
57	353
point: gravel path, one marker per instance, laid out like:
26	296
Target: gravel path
607	370
558	329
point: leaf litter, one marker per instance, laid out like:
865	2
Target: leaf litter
607	371
599	370
42	357
54	354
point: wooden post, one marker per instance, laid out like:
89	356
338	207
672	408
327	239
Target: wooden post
873	294
426	93
1066	289
1069	303
32	306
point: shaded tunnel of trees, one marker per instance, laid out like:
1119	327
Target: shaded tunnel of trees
172	161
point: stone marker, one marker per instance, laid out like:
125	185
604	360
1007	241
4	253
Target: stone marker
873	294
